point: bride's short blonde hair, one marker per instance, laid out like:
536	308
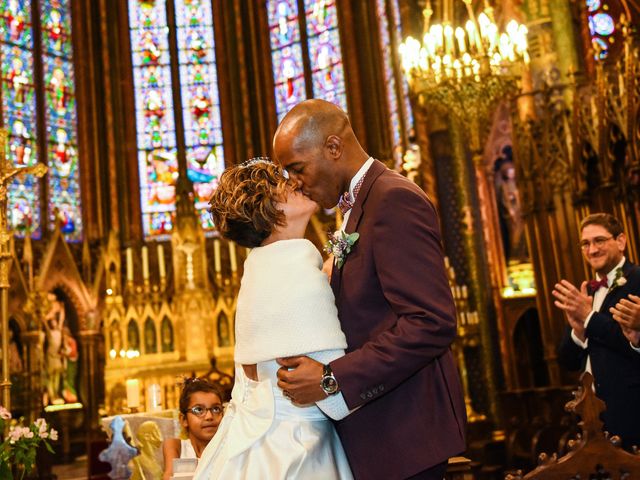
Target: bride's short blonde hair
244	205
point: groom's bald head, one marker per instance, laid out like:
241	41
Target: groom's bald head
316	144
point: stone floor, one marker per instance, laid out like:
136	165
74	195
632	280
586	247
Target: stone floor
72	471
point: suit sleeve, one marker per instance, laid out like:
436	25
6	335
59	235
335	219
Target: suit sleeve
410	267
571	356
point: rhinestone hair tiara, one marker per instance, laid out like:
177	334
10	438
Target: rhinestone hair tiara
256	160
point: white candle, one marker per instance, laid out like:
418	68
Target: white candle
232	257
161	270
216	256
129	265
145	263
133	393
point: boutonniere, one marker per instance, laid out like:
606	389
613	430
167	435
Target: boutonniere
339	244
619	279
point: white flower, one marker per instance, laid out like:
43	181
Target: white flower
53	434
619	279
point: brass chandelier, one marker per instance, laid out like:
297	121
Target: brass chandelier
466	69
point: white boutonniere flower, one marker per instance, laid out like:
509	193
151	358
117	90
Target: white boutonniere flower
619	279
339	244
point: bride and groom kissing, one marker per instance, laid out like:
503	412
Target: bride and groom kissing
370	348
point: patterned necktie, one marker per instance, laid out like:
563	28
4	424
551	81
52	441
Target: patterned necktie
594	285
346	202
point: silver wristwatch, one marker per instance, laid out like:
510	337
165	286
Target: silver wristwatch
329	384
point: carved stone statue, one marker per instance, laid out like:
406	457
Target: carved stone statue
119	452
70	366
509	208
53	326
146	466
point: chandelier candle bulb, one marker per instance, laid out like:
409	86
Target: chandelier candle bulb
460	36
448	35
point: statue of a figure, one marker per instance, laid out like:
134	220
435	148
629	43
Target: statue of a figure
70	367
53	326
509	208
15	360
119	452
146	466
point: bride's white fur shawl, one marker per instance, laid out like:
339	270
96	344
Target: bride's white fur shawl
285	304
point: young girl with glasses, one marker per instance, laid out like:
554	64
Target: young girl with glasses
201	411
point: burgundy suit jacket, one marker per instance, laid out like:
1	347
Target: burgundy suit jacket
397	311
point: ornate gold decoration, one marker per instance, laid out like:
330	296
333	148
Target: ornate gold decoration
7	173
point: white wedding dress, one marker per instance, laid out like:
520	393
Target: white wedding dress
285	308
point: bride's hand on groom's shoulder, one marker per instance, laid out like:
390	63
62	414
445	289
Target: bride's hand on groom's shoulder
299	378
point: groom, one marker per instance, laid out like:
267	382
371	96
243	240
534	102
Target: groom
394	304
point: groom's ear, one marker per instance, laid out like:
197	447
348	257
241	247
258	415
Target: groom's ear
334	146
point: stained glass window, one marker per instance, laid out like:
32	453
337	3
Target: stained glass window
156	113
311	68
60	118
397	91
20	107
601	27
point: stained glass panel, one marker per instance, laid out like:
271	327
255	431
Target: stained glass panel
603	24
60	119
283	23
156	140
389	75
593	5
200	100
56	28
601	27
19	113
286	54
397	31
321	18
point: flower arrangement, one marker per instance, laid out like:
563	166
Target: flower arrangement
339	244
19	445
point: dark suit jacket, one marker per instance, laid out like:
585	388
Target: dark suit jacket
396	309
615	365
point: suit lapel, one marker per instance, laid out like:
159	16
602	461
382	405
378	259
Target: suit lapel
375	170
616	293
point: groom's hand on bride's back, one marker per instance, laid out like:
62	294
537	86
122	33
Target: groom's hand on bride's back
299	378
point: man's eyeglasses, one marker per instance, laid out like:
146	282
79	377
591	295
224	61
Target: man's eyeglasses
200	411
596	242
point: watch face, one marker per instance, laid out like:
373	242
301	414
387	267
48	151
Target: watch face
329	385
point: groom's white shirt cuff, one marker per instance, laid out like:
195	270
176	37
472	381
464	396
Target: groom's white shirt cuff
334	406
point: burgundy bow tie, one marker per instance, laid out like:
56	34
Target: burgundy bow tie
346	202
594	285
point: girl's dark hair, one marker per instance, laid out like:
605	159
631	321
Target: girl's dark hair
192	385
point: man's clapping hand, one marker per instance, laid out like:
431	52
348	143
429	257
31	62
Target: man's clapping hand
575	303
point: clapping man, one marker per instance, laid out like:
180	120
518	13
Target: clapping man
594	342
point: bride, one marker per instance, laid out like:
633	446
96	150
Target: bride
285	308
